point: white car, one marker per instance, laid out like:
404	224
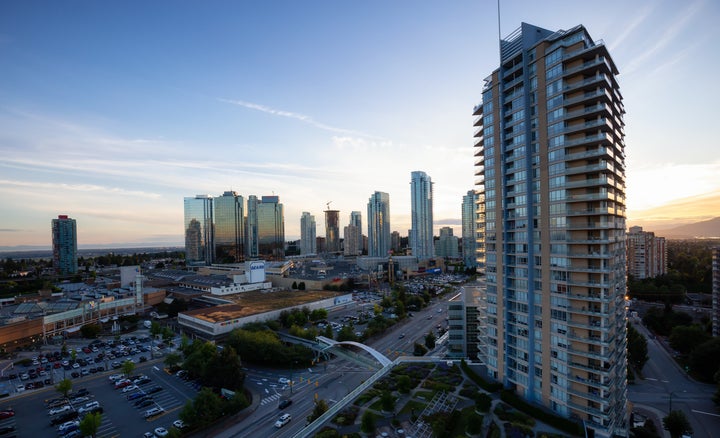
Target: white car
179	424
130	388
88	407
67	426
160	432
115	377
283	420
284	380
20	388
60	410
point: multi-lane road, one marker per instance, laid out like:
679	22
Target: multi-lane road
666	387
330	381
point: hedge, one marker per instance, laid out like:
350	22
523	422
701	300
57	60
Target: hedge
487	386
538	413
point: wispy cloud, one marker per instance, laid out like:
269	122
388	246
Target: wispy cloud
10	230
669	35
628	30
78	188
293	115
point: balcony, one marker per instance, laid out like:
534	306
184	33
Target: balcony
598	107
590	125
602	93
602	136
603	196
587	65
590	211
588	82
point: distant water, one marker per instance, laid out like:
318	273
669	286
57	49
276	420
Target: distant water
46	252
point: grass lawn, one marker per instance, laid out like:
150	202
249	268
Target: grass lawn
413	404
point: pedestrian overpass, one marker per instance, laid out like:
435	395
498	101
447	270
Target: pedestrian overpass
331	344
349	350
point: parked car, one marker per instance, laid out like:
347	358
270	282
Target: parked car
160	432
68	426
59	410
60	419
88	407
153	412
6	413
154	389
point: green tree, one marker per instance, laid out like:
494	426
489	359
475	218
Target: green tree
483	402
328	333
173	359
346	333
704	359
430	340
404	384
203	410
224	370
637	348
320	408
685	339
419	350
387	401
64	387
90	424
677	424
199	355
367	422
128	367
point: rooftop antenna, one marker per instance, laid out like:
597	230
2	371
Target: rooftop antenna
499	33
328	204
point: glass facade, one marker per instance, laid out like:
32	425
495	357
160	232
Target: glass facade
379	225
64	244
421	210
271	228
199	230
229	228
469	237
550	165
332	231
251	228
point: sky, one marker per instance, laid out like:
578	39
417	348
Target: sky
112	112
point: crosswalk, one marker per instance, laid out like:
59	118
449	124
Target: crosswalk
271	399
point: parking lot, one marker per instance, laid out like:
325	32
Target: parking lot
43	412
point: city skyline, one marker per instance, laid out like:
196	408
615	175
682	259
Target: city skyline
113	113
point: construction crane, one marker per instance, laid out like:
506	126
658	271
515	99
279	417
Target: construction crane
328	204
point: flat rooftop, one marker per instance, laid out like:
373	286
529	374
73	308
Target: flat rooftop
254	302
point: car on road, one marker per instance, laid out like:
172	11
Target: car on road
284	380
284	403
401	336
283	420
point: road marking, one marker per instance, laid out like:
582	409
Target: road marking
266	391
665	381
706	413
650	378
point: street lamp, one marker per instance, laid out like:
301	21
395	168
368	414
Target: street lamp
292	369
670	401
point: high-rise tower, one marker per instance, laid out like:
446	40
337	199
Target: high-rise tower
550	162
199	235
469	236
356	221
421	206
332	230
271	228
251	228
308	242
229	228
379	225
64	245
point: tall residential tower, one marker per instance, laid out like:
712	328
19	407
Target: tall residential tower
64	245
469	236
550	162
308	242
229	228
421	210
378	225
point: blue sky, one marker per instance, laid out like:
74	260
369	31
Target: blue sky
112	112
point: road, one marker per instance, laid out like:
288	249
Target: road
666	386
331	381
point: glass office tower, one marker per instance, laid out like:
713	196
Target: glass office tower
64	245
199	230
229	228
550	162
271	228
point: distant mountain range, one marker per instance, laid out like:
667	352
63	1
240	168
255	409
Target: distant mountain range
698	230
